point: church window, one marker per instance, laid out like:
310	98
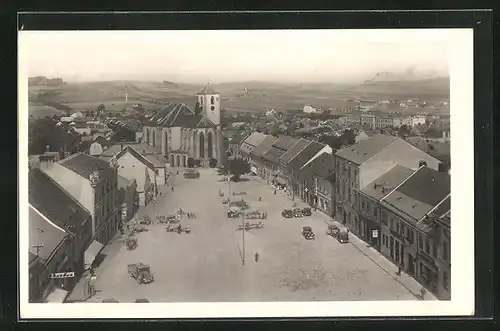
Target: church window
212	100
212	108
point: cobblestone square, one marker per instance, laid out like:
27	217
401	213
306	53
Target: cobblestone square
206	265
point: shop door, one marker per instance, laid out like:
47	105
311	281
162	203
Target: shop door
391	247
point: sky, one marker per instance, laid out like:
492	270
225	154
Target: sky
191	56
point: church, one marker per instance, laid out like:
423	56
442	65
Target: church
187	135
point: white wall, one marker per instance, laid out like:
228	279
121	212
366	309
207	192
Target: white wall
175	135
131	168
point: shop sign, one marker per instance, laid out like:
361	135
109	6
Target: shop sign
374	233
62	275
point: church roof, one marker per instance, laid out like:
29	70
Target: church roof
192	122
207	90
167	116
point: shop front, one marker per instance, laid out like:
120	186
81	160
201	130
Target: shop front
428	272
370	231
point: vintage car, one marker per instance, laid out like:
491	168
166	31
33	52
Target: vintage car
233	212
191	174
142	300
287	213
141	273
308	233
297	212
131	243
338	231
306	211
110	301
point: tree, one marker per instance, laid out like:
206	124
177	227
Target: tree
44	132
100	109
190	162
404	130
238	167
348	137
212	162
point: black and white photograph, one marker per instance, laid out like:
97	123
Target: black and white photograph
246	173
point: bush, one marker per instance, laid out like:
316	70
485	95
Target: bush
190	162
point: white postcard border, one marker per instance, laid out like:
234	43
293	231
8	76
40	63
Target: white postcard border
462	186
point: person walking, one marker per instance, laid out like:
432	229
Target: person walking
256	257
422	292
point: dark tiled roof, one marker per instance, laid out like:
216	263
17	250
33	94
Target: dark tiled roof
294	150
305	155
124	182
285	143
264	146
443	208
365	149
322	166
166	116
84	164
273	154
384	184
55	203
43	233
425	189
238	138
207	90
187	121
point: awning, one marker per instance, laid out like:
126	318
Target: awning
91	253
58	295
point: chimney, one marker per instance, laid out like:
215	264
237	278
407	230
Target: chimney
47	149
442	167
422	163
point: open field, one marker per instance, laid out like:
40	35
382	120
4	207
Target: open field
206	265
261	95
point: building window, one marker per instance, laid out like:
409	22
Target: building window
434	250
427	248
420	242
212	100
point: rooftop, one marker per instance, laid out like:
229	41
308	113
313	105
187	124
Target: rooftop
306	154
365	149
84	164
285	143
43	233
322	166
191	121
166	116
422	191
264	146
294	150
55	203
381	186
124	182
207	90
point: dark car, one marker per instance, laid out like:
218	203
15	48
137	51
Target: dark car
308	233
287	213
307	211
141	300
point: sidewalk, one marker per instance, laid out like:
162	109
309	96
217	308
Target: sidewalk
390	268
375	256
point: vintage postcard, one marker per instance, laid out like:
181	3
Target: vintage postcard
249	173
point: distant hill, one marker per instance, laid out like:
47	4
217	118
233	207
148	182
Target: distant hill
238	96
44	81
170	84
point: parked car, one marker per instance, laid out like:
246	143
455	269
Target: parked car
338	231
191	174
297	212
141	300
287	213
141	273
110	301
308	233
306	211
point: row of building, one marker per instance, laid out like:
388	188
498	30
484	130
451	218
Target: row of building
389	193
378	120
75	208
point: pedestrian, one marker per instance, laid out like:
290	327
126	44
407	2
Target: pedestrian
189	215
172	188
274	191
422	292
177	171
256	257
399	271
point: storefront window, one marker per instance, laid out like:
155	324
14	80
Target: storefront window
445	251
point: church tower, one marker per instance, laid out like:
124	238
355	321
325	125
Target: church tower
209	101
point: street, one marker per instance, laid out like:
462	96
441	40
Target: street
206	264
